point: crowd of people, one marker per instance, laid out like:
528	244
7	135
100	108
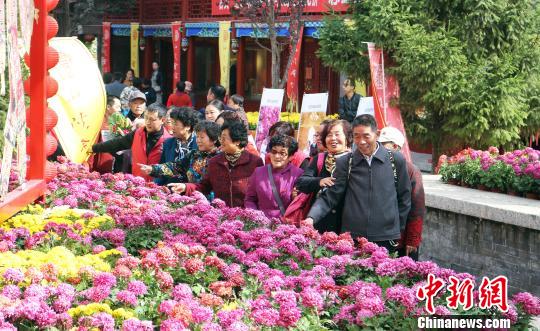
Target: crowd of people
354	180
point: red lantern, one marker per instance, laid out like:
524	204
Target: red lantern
52	57
52	27
51	144
52	87
51	118
51	4
50	171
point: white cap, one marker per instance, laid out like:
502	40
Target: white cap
391	134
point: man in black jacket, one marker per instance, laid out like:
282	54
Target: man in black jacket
375	187
348	103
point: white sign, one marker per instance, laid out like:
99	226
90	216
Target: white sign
366	106
312	114
269	113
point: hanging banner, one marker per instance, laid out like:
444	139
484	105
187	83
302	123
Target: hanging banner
225	53
135	48
292	76
312	114
175	27
269	113
106	53
81	97
26	19
3	50
385	88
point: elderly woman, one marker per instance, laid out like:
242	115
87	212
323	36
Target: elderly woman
336	137
228	173
193	166
271	187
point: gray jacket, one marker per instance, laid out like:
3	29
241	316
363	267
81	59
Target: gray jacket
375	206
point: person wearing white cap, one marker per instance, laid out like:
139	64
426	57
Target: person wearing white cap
392	139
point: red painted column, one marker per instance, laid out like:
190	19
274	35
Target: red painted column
241	67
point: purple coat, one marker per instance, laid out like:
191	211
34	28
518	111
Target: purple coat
259	193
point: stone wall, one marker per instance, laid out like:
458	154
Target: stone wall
483	247
482	233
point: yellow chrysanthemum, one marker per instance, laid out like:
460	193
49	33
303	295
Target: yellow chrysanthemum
90	309
122	314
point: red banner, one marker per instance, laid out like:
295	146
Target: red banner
292	76
106	52
222	7
176	51
385	88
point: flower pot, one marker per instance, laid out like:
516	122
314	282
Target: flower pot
514	193
496	190
531	195
482	187
463	184
453	182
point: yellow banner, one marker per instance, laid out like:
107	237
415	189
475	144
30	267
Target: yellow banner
135	48
81	97
225	52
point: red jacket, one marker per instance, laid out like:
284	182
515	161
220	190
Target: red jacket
413	230
229	185
140	155
179	99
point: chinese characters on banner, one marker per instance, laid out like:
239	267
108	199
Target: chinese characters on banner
175	26
312	114
385	89
135	48
269	113
491	293
106	53
292	77
222	7
225	53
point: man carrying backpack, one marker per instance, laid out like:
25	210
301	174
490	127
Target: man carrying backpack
375	187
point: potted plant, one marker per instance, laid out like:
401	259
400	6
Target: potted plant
450	173
497	176
471	171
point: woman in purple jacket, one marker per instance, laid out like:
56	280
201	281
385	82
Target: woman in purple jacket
271	187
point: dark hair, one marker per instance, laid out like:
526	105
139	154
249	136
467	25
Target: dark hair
118	75
350	82
283	141
211	129
218	91
281	127
186	115
346	130
238	100
157	108
229	116
365	120
137	82
218	104
110	100
107	78
181	86
147	82
237	131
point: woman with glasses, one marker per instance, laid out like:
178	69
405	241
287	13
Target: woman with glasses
336	137
271	187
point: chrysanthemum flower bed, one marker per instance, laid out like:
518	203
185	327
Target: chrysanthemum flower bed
112	252
516	173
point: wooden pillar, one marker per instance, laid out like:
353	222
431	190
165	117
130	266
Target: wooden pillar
240	67
148	57
191	61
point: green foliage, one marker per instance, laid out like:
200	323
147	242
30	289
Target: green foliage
498	176
472	172
469	71
145	237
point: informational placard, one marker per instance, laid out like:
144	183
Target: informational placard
366	106
312	114
80	101
269	113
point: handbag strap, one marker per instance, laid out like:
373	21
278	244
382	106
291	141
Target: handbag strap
274	190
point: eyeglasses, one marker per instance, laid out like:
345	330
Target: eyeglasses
282	154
